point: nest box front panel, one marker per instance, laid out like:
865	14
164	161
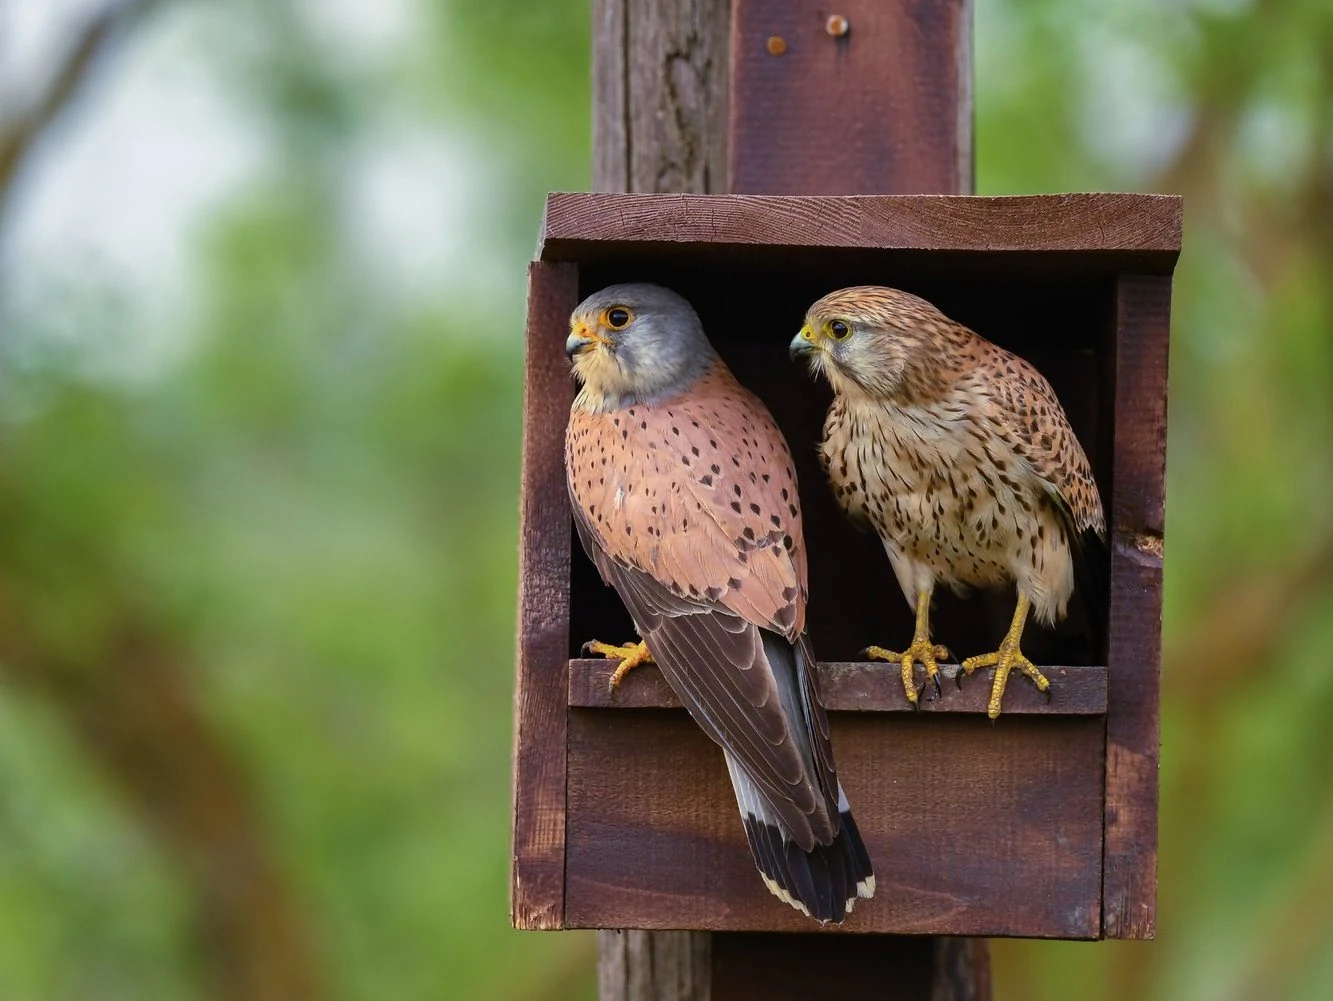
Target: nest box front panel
1042	824
967	838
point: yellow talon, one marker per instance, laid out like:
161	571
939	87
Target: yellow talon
922	651
630	657
1006	659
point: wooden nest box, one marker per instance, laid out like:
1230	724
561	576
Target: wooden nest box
1043	823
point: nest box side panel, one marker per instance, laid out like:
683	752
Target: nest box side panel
1143	319
537	891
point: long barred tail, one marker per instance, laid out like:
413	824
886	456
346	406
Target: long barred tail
824	883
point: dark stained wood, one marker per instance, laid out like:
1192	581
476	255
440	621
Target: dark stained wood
660	95
1121	230
655	966
975	828
811	966
1143	310
537	878
864	687
886	107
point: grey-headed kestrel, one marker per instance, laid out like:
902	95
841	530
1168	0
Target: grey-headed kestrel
959	456
685	498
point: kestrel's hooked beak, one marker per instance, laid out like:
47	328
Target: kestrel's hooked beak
803	344
582	338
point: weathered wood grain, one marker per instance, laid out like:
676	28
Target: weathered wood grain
885	107
537	877
1123	230
975	828
660	76
1143	311
863	687
655	966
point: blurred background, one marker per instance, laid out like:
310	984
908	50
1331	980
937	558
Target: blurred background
261	300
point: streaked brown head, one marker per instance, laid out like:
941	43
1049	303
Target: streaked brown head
876	341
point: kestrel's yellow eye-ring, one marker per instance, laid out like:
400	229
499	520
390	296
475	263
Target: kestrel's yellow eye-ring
839	330
617	317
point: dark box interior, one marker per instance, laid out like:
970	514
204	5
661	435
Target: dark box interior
1062	324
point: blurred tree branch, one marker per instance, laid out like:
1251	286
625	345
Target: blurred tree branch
19	136
129	703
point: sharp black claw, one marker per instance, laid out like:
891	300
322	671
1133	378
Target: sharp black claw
864	654
587	647
939	687
1047	693
958	677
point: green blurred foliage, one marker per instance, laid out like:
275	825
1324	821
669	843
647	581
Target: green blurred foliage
317	502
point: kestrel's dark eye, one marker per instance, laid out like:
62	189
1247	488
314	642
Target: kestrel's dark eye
839	330
617	318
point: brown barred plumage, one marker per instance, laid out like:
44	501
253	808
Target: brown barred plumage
956	452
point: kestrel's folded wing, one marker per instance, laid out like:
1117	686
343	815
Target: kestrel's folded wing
1036	427
694	520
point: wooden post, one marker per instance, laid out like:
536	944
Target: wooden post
784	97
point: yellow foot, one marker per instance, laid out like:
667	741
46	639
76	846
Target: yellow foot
920	652
630	657
1004	660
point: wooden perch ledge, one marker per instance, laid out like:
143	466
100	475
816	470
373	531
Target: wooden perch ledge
874	686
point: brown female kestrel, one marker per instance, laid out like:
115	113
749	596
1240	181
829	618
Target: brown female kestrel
958	454
685	498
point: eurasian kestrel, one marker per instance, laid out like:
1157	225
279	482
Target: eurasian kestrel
958	454
685	498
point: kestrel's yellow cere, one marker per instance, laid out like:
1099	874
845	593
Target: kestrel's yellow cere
685	498
959	456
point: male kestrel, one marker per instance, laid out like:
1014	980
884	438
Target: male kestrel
685	498
960	457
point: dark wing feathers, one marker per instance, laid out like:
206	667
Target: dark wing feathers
817	722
